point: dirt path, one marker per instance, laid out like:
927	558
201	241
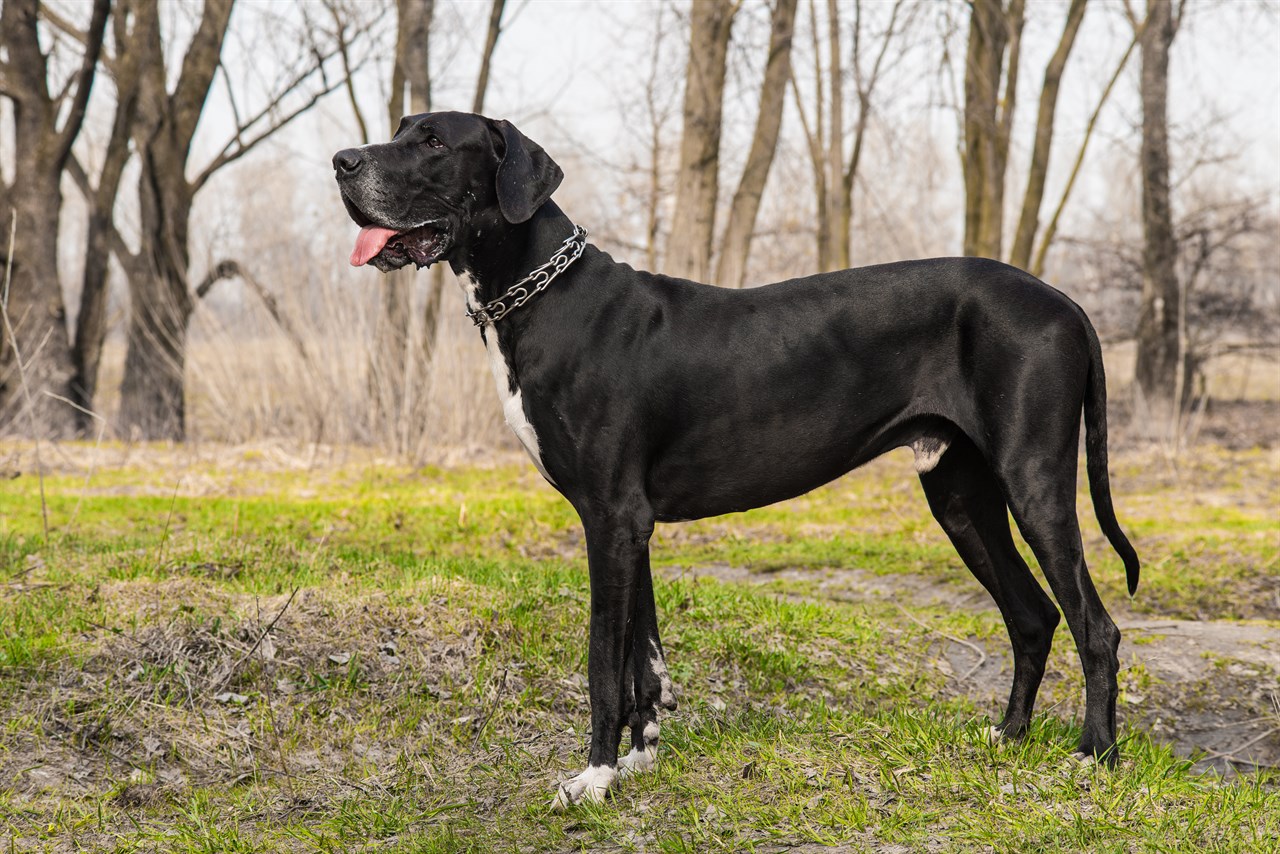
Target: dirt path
1209	688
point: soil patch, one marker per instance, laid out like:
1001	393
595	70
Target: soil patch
1209	688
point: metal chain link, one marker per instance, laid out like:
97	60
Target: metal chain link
534	283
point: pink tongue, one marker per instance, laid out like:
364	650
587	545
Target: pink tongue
370	242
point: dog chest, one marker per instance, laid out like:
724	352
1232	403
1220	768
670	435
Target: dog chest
513	402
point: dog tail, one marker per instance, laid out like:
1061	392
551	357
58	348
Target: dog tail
1095	448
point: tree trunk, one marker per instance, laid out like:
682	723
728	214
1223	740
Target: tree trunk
486	58
1051	230
697	185
36	315
1029	220
838	213
764	143
988	119
91	323
35	349
814	134
1158	319
153	392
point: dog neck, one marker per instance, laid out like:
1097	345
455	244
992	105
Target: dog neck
496	260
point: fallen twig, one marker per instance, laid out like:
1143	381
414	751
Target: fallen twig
221	681
1230	755
982	656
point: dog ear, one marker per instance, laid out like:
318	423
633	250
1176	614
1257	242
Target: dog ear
527	176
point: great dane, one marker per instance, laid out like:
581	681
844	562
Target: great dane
644	398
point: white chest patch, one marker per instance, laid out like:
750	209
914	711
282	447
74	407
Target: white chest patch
512	401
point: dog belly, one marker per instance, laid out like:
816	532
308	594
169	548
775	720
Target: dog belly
718	475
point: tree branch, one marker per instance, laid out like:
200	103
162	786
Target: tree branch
67	28
198	68
84	81
229	155
81	178
232	269
344	53
490	42
1051	230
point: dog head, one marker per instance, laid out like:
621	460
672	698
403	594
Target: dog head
443	181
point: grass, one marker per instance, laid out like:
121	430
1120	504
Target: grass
423	689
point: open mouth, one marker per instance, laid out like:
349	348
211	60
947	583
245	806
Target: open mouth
390	248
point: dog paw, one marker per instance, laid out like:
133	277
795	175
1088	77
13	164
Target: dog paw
591	786
638	761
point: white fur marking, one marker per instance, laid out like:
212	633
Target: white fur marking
512	402
591	785
928	453
658	665
638	761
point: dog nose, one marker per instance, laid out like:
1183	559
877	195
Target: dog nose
347	161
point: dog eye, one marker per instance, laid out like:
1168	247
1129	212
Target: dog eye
434	141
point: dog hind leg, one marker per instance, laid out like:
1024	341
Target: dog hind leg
965	498
1039	476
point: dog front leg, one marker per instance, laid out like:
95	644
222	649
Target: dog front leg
617	554
649	687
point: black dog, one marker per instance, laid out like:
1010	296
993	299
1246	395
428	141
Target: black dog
644	398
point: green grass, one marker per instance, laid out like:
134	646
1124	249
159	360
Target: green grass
425	688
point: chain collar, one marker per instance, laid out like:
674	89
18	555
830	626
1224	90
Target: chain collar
534	283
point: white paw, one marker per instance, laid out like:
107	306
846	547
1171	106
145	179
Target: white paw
638	761
591	785
1084	760
994	735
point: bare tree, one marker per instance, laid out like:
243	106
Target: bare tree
1051	230
33	338
398	380
161	299
736	248
698	183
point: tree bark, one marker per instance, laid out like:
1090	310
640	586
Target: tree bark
697	185
29	211
1160	313
1029	220
837	204
153	391
865	84
740	229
